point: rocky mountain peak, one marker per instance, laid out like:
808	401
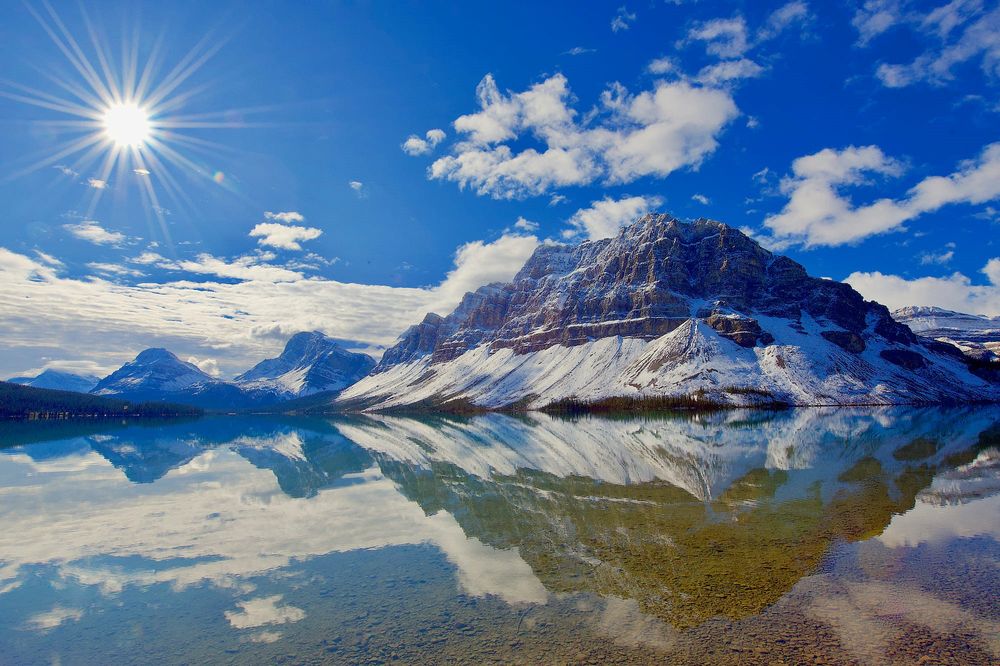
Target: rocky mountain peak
653	276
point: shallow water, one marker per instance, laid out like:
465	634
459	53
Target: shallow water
806	536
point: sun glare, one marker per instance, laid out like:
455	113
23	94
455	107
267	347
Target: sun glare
126	124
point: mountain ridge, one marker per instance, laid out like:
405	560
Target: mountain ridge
310	363
665	308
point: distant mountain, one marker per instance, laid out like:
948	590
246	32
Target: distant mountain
58	381
19	401
695	311
310	363
157	375
976	335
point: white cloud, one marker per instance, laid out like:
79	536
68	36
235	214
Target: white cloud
874	17
140	171
954	292
728	71
49	259
288	217
604	218
725	38
941	258
66	171
818	213
414	145
526	225
795	12
92	232
557	199
578	50
147	258
662	65
478	263
246	268
283	236
263	611
622	20
235	322
97	183
53	618
114	269
359	188
731	38
652	133
960	31
701	198
207	365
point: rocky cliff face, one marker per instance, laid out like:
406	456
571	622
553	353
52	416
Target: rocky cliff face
651	279
666	308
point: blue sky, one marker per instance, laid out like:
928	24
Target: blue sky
366	162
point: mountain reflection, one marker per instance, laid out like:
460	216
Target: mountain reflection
689	517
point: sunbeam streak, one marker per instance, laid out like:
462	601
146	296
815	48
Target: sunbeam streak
121	115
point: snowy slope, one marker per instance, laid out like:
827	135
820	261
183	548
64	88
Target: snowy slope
310	363
976	335
58	381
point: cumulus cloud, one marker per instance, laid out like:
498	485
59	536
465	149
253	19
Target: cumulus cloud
283	236
287	217
140	171
819	213
623	19
207	365
701	198
954	292
414	145
97	183
478	263
92	232
603	219
652	133
958	31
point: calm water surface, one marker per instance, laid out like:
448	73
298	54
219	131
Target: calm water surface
807	536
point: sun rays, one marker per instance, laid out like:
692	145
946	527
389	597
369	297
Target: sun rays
117	119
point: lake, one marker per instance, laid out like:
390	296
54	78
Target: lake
867	536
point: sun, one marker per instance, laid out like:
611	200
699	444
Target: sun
127	125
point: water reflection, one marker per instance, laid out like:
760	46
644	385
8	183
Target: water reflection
858	529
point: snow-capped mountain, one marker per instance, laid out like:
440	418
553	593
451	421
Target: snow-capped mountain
666	308
58	381
310	363
976	335
158	375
